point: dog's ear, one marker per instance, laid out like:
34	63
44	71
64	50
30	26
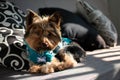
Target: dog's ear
32	17
55	17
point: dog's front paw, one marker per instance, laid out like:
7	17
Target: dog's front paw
47	68
35	69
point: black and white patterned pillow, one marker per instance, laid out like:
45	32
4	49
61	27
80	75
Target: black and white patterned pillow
99	21
10	15
12	48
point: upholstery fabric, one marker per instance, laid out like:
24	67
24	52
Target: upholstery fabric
12	48
99	21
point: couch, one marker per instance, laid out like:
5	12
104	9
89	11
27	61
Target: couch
103	64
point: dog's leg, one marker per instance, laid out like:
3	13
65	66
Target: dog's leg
53	66
56	65
35	69
67	60
47	68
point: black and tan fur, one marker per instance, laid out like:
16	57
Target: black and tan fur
43	33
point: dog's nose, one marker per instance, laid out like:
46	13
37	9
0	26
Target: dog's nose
44	44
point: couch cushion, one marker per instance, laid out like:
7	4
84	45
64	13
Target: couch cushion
99	21
12	48
11	16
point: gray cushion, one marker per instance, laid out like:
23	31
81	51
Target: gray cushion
99	21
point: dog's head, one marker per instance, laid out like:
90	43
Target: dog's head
42	33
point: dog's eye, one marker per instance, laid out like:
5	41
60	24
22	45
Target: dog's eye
49	34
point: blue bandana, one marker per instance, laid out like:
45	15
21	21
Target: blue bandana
46	56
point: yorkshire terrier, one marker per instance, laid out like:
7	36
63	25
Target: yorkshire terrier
47	50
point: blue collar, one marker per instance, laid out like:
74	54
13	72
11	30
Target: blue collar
46	56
